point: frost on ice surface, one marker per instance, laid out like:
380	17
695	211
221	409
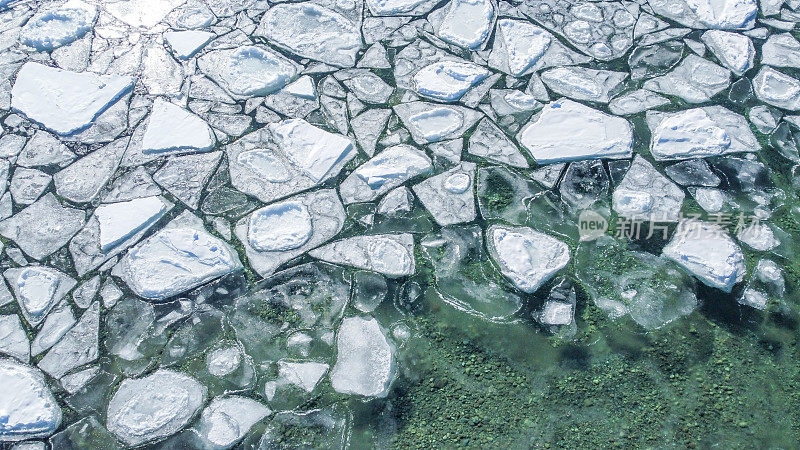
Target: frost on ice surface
153	407
391	255
172	129
54	224
449	80
384	172
56	27
64	101
28	407
38	289
248	70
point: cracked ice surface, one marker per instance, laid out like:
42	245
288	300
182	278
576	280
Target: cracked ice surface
218	213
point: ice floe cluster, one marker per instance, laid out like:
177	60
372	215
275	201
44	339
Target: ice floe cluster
215	213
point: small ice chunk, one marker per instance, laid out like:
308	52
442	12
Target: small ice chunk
56	27
120	221
644	194
186	44
777	89
248	71
395	203
13	339
28	184
695	80
527	257
400	7
781	50
693	172
313	149
38	289
186	176
725	14
173	129
44	149
566	130
279	227
557	313
384	172
699	132
58	322
465	23
635	102
77	348
432	123
707	252
735	51
153	407
312	31
449	196
490	142
448	81
82	180
181	256
28	407
389	254
226	420
365	359
581	83
63	101
758	236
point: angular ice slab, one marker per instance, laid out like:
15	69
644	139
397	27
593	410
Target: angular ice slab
384	172
450	196
365	361
173	129
13	339
695	80
708	252
63	101
153	407
55	27
389	254
714	14
448	81
400	7
432	123
186	43
312	149
527	257
181	256
312	31
699	132
645	194
284	230
490	142
120	221
27	406
566	130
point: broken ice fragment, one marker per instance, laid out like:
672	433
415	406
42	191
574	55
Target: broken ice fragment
120	221
527	257
248	71
280	227
707	252
384	172
698	132
735	51
13	339
389	254
777	89
365	361
226	420
313	149
566	130
55	27
153	407
449	196
432	123
77	348
179	257
312	31
28	407
173	129
582	83
644	194
448	81
466	23
490	142
64	101
186	44
38	289
695	80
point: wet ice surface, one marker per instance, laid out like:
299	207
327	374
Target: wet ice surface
221	220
